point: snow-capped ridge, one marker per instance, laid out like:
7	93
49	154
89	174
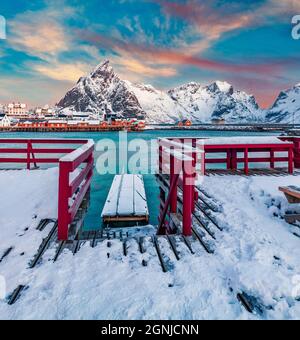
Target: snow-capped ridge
286	108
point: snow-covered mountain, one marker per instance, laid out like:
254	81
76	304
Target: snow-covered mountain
103	91
216	101
286	108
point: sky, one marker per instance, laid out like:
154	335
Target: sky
50	44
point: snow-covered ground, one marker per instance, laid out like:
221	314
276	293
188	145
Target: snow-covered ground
257	253
26	197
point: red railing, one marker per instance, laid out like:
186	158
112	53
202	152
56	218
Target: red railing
74	180
179	163
248	153
296	142
181	159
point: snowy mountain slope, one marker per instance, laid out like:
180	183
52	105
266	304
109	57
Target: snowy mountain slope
286	108
158	105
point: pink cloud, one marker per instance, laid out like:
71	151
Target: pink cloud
163	56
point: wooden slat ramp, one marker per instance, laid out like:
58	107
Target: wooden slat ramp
126	201
141	247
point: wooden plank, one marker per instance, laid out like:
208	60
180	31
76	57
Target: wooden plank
203	243
16	294
172	242
292	218
292	193
159	254
188	243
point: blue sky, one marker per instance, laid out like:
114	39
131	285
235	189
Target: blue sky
51	43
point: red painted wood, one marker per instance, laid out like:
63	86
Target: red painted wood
81	177
188	197
66	190
246	163
63	201
173	199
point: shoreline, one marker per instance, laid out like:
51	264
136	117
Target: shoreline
161	128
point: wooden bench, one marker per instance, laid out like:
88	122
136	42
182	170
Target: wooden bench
292	193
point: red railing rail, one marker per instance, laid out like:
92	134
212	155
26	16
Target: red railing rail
73	185
75	169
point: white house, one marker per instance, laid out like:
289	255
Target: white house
17	109
5	121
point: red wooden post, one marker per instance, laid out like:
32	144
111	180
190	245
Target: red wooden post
228	158
272	159
188	196
246	156
173	200
296	153
195	192
233	160
28	155
291	160
63	201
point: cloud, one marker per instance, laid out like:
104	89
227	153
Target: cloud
135	66
212	20
62	71
40	33
163	56
44	34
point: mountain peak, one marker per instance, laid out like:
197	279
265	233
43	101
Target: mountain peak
221	86
103	69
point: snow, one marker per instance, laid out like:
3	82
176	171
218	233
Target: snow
223	86
158	105
26	197
126	197
257	252
71	157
